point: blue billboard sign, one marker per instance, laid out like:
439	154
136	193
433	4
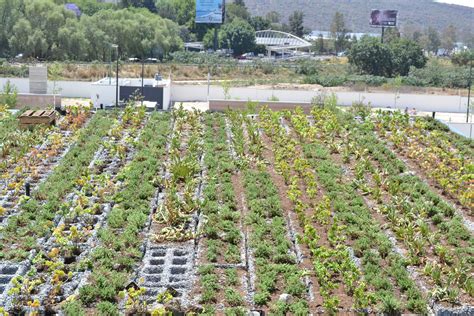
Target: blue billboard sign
209	11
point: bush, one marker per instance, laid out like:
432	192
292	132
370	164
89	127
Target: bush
107	309
326	81
308	67
369	80
462	58
73	308
437	75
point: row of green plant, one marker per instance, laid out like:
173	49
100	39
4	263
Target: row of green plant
323	233
449	162
114	260
31	161
55	262
426	225
36	216
384	271
221	229
16	142
225	281
223	239
94	188
184	167
276	268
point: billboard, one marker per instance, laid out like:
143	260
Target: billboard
383	18
209	11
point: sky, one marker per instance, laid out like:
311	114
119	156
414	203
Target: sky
468	3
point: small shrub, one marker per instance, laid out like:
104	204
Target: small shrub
107	309
233	297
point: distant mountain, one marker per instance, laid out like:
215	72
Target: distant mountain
417	14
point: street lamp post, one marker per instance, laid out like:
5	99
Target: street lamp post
116	75
143	73
469	87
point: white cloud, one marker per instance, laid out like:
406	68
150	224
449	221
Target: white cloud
467	3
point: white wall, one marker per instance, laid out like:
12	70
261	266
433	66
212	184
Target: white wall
68	89
464	129
71	89
183	93
22	84
421	102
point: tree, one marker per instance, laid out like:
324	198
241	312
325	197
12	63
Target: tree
433	42
179	11
463	58
240	2
208	39
260	23
449	38
371	57
273	17
9	15
149	4
391	34
416	36
234	11
238	35
318	45
406	53
167	9
339	32
296	23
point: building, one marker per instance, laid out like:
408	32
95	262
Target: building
156	92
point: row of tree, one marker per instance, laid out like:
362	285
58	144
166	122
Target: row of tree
45	29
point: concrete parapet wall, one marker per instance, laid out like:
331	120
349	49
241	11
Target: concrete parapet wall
222	105
37	101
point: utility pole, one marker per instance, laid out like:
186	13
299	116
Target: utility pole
143	73
116	76
469	88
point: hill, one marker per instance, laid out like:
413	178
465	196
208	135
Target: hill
417	14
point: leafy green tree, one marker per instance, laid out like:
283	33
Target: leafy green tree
318	45
433	40
463	58
391	34
9	15
238	35
296	23
91	7
405	54
149	4
449	38
167	9
208	39
235	11
339	32
260	23
240	2
371	57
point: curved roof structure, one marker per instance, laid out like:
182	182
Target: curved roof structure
277	40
